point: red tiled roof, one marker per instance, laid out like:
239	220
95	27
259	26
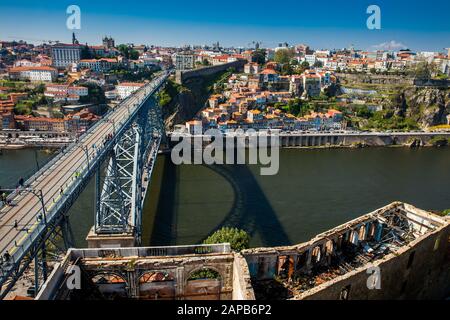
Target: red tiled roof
268	71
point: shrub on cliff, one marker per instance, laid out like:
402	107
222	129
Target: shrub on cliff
238	239
439	141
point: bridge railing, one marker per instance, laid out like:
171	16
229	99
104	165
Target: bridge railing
31	178
160	251
22	246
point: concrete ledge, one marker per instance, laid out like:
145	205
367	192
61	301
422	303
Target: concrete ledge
109	240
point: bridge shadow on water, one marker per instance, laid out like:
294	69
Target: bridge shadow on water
164	228
250	211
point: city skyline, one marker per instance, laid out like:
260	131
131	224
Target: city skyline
327	25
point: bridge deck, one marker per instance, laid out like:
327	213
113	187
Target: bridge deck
56	181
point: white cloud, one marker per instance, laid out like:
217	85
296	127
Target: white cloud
390	45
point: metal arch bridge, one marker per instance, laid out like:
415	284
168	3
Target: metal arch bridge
128	137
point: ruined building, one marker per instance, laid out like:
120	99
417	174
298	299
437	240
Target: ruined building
395	252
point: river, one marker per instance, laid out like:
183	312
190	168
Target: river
314	190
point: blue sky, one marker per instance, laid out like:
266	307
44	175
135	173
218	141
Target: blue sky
419	25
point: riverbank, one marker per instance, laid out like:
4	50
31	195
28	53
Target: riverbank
13	146
352	139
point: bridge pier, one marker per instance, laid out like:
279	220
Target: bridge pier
120	199
120	240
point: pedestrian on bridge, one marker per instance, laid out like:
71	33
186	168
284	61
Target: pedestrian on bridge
7	256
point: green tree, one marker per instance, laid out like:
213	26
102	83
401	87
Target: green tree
283	56
86	53
294	106
134	55
95	94
318	64
439	141
21	109
238	239
363	112
128	52
204	273
259	56
422	70
170	91
286	69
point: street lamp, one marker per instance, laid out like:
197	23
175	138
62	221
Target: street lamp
85	148
39	195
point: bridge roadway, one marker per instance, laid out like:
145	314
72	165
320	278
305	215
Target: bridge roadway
61	175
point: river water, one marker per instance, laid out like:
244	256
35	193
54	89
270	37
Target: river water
313	191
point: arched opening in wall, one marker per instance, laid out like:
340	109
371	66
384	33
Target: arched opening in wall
354	238
362	232
394	141
372	230
302	261
285	266
156	285
203	284
111	285
330	248
316	254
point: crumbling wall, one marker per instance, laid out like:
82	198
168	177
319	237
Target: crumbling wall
419	271
153	277
242	285
418	268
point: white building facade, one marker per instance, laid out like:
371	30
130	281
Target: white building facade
63	55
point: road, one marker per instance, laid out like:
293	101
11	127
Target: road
17	222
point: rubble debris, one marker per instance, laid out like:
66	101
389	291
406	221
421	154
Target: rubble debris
336	254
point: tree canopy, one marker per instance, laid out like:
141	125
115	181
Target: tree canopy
238	239
422	70
259	56
128	52
284	55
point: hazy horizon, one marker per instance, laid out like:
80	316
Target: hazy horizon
328	24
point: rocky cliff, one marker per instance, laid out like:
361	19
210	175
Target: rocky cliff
427	106
183	102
